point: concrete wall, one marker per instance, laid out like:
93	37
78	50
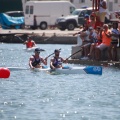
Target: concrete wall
78	55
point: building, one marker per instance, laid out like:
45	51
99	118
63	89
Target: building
112	5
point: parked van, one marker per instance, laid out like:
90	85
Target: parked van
44	13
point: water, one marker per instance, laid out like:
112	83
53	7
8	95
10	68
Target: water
28	95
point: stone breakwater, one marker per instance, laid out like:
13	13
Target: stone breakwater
39	39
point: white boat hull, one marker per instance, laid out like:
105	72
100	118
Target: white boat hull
30	49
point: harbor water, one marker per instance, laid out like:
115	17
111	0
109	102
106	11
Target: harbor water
29	95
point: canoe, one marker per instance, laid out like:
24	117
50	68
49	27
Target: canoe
96	70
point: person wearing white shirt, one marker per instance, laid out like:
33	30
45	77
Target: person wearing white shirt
102	11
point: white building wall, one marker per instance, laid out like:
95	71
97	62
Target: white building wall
88	3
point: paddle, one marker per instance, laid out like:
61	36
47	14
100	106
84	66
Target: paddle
80	43
51	54
19	38
73	54
48	38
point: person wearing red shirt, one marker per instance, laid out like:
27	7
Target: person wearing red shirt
29	43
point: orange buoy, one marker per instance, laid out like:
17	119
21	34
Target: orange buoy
4	72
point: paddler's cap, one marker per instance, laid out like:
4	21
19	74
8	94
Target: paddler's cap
56	50
38	50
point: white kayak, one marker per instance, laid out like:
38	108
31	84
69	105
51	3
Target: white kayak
96	70
30	49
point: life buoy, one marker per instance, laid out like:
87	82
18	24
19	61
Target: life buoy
4	72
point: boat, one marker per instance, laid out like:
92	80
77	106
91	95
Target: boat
30	49
96	70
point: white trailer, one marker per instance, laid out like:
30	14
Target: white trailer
44	13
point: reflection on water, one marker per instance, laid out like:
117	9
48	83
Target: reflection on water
29	95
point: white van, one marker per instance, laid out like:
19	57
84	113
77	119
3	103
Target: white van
44	13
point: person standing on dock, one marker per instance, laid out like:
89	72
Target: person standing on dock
29	43
102	11
56	61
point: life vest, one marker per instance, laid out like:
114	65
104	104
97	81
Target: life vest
57	62
36	61
29	44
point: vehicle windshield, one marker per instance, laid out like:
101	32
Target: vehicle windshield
76	12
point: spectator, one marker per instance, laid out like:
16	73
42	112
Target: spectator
87	42
106	40
85	26
95	36
113	47
92	21
102	11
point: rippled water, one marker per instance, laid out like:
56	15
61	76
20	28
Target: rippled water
28	95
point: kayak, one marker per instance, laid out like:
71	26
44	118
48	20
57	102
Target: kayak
30	49
95	70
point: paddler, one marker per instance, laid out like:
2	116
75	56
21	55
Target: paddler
36	60
56	61
29	43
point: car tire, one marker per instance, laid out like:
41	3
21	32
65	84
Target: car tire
70	26
43	26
